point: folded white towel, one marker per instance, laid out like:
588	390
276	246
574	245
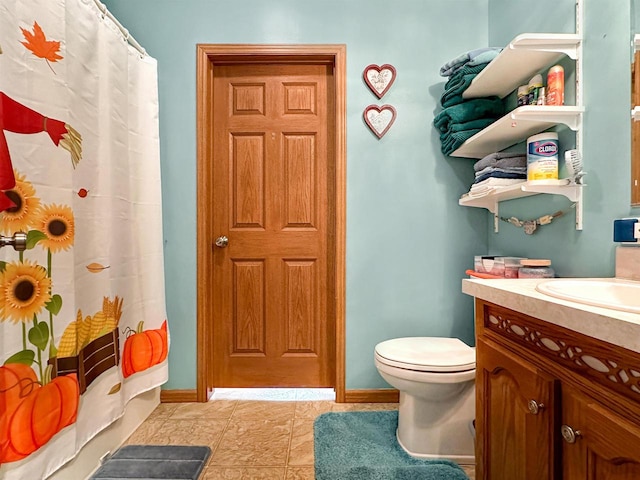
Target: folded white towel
491	185
497	182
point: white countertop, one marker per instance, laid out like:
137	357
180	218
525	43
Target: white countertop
613	326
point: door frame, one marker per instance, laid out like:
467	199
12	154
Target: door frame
207	56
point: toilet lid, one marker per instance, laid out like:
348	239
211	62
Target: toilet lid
427	354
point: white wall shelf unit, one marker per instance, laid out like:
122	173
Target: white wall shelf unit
526	55
516	126
525	189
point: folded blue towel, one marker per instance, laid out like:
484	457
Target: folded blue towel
500	175
460	61
490	107
487	170
483	57
501	159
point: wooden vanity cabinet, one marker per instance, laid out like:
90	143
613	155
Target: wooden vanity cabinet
551	403
516	444
607	446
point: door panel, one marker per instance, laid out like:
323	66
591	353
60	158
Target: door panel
271	163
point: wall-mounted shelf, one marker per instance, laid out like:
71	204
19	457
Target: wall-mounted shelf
525	189
516	126
526	55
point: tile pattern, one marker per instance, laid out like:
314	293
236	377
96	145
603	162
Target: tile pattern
253	435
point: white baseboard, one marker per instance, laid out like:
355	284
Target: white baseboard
110	439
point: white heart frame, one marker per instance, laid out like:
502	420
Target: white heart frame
379	119
379	78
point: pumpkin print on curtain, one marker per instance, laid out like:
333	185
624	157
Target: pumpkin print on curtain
83	325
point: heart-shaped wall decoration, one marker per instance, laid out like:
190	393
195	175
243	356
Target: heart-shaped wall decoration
379	119
379	78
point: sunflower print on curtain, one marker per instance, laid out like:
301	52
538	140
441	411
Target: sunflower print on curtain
83	325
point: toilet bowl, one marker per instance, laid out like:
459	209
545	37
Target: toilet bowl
435	377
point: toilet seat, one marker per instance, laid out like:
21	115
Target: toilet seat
427	354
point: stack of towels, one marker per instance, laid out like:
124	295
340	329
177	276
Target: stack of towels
462	118
496	171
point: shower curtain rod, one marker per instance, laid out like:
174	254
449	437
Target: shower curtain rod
132	41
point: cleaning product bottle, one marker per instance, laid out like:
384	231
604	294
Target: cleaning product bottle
535	84
542	156
555	85
523	95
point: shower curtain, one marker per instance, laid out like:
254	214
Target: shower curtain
82	310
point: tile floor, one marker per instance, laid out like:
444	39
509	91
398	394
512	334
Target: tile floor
253	434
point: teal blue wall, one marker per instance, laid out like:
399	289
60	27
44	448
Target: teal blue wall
408	241
606	142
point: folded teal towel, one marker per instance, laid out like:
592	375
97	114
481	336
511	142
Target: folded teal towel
466	70
453	94
450	141
490	107
479	123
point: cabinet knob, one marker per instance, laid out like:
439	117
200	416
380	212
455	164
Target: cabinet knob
535	407
569	434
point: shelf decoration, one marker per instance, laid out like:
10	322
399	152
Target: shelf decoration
379	119
379	78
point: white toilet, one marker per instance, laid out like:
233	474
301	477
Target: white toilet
435	377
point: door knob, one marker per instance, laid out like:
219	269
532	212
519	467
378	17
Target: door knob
569	434
222	241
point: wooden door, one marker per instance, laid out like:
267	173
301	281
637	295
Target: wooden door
606	446
515	440
273	199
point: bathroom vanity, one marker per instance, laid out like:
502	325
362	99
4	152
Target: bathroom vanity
557	386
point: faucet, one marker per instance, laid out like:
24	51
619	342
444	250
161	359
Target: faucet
18	241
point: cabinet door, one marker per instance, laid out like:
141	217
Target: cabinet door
598	444
515	405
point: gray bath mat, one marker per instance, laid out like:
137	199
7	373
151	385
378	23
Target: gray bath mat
359	445
154	462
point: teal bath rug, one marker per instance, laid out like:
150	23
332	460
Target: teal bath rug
363	445
154	462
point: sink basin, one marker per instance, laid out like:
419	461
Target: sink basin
611	293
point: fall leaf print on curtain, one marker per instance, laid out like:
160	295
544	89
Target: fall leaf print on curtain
37	42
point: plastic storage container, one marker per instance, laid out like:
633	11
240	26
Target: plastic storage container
542	156
496	265
535	268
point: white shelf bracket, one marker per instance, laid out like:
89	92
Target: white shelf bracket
569	51
566	44
572	192
579	210
572	119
